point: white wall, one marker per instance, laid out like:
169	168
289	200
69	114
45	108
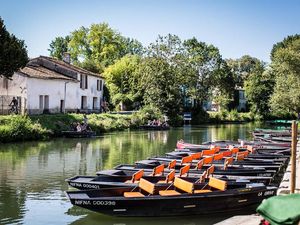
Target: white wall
55	89
17	86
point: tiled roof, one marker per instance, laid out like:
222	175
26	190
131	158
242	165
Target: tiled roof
43	73
71	67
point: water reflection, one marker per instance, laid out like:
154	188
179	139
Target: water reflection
32	174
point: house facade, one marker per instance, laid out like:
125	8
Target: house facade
48	85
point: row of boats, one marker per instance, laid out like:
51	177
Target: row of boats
202	178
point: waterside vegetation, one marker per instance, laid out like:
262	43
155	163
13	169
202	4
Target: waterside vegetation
42	127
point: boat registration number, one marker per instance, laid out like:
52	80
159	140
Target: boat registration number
88	202
267	193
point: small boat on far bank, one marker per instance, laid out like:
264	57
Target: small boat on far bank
155	127
78	134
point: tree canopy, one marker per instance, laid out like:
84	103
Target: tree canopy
95	47
242	68
286	67
123	82
13	53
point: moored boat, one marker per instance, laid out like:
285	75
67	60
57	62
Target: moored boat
181	198
77	134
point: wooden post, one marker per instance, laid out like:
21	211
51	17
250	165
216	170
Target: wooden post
293	155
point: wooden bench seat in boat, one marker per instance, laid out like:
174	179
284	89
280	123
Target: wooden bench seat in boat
144	185
135	177
158	171
188	187
169	178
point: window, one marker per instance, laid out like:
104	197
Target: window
41	97
46	102
5	83
95	103
62	106
83	102
99	85
86	82
83	81
242	95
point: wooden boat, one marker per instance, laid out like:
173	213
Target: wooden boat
127	180
76	134
180	198
148	165
225	145
264	144
183	153
154	127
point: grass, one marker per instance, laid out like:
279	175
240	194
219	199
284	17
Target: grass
21	128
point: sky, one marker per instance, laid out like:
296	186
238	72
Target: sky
236	27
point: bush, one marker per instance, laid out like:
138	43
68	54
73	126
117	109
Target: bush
20	128
146	113
199	116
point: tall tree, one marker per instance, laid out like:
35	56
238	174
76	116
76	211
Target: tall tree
122	81
258	89
58	47
207	71
159	83
242	68
286	67
13	53
96	47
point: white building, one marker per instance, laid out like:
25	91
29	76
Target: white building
48	85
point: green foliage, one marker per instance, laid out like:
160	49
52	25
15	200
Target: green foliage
160	85
289	40
286	67
96	47
258	89
58	47
242	68
13	53
199	116
20	128
145	114
231	116
123	82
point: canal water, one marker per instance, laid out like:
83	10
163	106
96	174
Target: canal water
32	174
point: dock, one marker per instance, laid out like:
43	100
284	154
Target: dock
284	188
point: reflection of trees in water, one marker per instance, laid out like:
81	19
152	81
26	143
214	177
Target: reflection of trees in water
12	202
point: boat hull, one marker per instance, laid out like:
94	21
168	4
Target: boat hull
184	204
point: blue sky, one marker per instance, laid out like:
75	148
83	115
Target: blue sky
236	27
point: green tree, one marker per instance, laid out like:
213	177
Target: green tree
95	47
122	81
286	67
13	53
160	85
242	68
58	47
207	72
258	89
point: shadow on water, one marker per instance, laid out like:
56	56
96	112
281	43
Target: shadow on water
99	219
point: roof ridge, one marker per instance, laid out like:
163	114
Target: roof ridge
71	66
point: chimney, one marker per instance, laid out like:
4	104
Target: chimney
67	57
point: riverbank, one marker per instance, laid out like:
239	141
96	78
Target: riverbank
39	127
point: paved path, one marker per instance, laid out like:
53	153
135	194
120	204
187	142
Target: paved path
284	187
